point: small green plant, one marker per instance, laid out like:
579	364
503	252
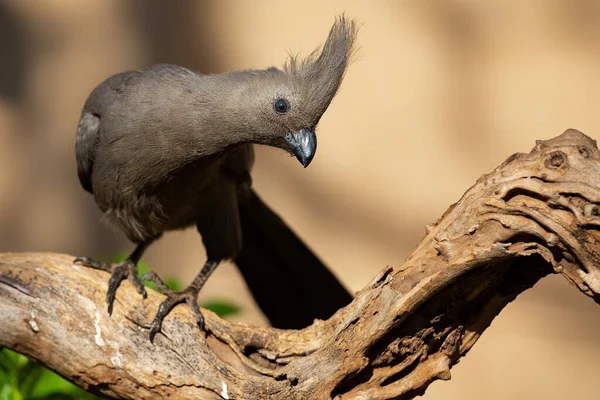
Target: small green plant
23	379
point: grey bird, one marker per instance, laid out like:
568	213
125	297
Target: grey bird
165	148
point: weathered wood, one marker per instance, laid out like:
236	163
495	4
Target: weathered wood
536	214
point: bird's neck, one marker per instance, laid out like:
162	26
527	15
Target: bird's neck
220	114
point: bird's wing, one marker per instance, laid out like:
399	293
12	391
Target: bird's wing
85	147
107	94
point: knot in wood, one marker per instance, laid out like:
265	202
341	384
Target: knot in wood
585	151
555	159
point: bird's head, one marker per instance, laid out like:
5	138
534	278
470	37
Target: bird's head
288	103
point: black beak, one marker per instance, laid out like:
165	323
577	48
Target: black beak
303	144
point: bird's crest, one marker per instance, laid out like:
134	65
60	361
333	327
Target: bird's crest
321	73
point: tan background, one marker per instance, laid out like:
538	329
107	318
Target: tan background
441	93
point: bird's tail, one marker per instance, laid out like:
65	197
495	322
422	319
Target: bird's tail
289	283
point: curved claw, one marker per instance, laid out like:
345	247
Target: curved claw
193	303
153	277
118	272
110	299
138	284
189	296
154	329
165	308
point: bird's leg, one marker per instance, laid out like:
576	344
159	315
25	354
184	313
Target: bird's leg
120	271
188	295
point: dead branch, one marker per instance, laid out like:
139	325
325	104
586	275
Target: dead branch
536	214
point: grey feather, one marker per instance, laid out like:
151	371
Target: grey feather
85	148
164	148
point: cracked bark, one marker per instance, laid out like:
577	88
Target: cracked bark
536	214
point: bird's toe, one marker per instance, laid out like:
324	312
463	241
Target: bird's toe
189	296
91	263
193	303
157	280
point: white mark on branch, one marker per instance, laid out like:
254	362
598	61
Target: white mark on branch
98	338
224	391
33	323
117	359
473	229
75	266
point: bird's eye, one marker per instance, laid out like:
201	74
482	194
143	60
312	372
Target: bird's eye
281	106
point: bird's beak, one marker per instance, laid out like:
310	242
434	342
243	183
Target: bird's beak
303	144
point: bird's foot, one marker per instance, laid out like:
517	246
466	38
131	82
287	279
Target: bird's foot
124	270
188	295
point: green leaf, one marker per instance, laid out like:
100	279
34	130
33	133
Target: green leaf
173	283
221	308
10	365
8	371
5	380
8	392
23	379
28	377
50	383
15	360
52	386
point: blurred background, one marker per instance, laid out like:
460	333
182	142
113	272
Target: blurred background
441	93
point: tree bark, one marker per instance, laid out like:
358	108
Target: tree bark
536	214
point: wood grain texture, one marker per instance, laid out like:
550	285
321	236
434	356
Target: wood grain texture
536	214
